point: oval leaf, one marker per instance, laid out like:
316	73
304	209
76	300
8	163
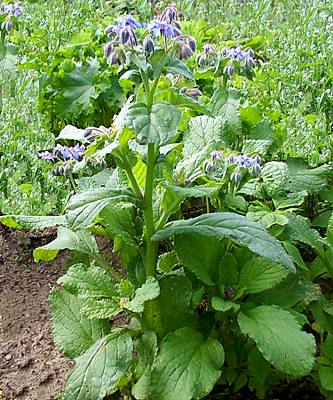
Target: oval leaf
234	226
186	367
279	338
99	369
73	333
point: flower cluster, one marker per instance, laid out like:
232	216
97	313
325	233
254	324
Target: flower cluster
208	57
63	153
216	166
12	10
236	54
122	33
252	164
165	26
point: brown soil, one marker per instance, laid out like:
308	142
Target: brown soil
31	368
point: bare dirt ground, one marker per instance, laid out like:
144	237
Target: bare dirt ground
31	368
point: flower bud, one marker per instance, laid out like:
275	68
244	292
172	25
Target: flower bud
193	92
209	167
110	30
225	52
148	45
232	159
250	62
67	169
250	52
124	35
191	43
201	61
108	49
7	25
236	176
169	14
216	155
101	164
178	26
255	169
209	48
114	59
89	135
184	51
229	69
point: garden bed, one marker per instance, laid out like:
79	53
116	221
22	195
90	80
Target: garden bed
31	367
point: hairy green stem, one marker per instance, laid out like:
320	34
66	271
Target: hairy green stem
151	247
129	172
145	81
72	181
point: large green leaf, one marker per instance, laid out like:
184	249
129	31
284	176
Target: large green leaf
299	228
326	377
274	176
201	255
205	134
76	89
32	221
225	103
84	207
99	369
88	282
120	221
158	126
148	291
186	367
302	178
174	300
95	288
175	195
235	227
279	338
265	217
71	132
260	274
82	241
146	347
72	332
176	67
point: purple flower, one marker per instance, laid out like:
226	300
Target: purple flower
13	9
123	22
252	164
70	153
159	28
237	54
209	48
77	151
46	155
215	155
63	151
128	20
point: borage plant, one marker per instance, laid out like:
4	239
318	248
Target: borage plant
182	304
